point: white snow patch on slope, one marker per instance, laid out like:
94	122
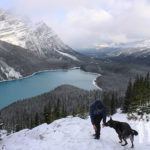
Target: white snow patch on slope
9	71
73	133
68	55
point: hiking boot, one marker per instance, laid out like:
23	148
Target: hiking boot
97	138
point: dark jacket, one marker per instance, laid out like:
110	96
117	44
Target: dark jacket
94	112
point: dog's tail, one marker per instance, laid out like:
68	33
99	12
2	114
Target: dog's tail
134	132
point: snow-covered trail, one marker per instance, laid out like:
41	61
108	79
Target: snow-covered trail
73	133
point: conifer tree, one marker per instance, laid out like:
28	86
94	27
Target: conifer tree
74	113
18	128
45	114
113	105
58	109
37	120
32	124
64	112
56	112
128	97
82	111
138	94
1	124
49	113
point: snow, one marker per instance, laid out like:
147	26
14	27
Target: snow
144	43
95	84
137	48
73	133
37	37
68	55
9	71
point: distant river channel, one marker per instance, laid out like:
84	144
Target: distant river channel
11	91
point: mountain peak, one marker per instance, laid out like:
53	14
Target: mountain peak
36	37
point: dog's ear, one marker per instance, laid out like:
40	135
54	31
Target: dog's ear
110	118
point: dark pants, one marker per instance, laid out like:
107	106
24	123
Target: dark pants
97	120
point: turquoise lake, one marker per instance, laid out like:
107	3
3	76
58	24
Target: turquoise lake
11	91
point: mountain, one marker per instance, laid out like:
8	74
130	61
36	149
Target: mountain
142	43
74	133
17	62
135	49
96	52
139	53
36	37
28	47
135	52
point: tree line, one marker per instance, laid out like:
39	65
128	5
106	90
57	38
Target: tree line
137	96
63	101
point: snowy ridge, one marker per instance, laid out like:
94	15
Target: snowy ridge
73	133
37	37
143	43
137	49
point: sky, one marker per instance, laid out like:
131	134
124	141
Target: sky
89	23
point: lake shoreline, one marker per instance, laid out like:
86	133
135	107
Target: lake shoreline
39	72
12	95
94	81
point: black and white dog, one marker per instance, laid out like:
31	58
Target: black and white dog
123	129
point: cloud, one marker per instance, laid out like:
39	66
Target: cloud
86	23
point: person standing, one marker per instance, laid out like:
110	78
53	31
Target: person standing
97	113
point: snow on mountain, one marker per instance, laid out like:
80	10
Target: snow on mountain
142	43
136	49
37	37
8	71
136	52
68	55
73	133
12	30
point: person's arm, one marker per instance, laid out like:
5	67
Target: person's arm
92	117
104	116
92	114
103	111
